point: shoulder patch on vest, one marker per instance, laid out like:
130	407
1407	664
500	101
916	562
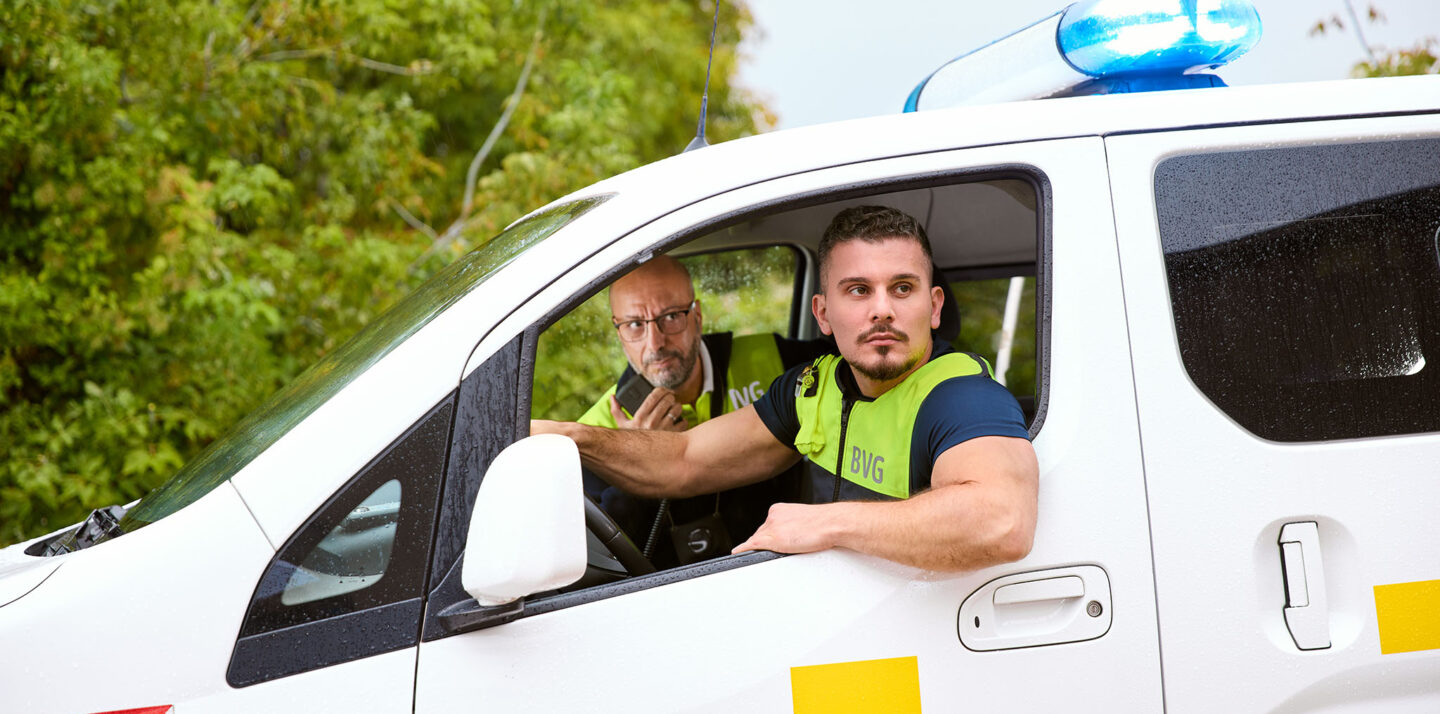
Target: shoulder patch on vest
807	385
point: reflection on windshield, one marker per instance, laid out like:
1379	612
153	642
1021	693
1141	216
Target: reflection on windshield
263	427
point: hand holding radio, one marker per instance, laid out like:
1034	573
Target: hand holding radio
653	408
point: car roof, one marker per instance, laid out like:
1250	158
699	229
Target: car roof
731	164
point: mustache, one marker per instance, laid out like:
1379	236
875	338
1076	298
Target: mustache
885	330
658	355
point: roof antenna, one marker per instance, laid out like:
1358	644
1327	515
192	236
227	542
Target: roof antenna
699	141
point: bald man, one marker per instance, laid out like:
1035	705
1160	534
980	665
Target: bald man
696	377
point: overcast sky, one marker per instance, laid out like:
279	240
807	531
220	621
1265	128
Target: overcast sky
815	61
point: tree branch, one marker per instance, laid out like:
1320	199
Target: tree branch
209	63
514	100
416	68
410	218
287	55
243	50
250	14
473	174
1359	33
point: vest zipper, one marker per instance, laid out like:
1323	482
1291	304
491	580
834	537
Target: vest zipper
840	461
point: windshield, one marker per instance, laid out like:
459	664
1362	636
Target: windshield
263	427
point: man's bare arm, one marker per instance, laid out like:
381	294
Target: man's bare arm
980	511
731	450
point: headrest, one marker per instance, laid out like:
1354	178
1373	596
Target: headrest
949	329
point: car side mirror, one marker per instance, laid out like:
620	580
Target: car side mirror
527	530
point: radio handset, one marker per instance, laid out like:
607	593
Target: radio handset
632	392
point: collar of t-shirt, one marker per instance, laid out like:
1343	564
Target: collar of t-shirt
851	389
707	371
701	411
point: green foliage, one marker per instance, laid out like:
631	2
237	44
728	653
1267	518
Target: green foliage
1423	58
982	316
199	198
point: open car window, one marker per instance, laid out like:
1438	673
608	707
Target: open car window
998	323
742	291
986	236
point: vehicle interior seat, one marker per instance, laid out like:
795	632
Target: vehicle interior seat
949	329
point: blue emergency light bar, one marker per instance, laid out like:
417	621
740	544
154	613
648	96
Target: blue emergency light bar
1099	47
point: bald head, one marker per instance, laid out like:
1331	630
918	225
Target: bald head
661	274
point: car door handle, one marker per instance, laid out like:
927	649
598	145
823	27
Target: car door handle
1045	607
1307	614
1040	590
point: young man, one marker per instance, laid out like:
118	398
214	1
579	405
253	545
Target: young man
927	458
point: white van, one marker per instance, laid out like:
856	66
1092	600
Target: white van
1231	293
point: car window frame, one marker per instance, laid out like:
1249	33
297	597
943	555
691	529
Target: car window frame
388	612
459	496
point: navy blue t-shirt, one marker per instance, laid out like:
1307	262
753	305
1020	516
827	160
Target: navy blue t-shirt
956	410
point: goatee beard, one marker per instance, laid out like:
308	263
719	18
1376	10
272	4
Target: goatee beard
885	371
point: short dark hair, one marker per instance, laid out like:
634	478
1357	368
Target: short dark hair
872	224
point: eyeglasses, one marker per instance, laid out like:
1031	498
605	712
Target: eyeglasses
669	323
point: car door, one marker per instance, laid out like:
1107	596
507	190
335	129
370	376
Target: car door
1282	288
770	633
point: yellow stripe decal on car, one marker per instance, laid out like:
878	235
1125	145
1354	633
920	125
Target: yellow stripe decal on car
1409	616
875	685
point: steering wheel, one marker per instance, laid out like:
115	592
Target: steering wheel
603	527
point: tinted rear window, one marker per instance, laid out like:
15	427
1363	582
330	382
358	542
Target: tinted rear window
1305	285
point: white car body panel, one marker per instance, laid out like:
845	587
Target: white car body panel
151	616
383	683
1219	494
832	607
19	576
